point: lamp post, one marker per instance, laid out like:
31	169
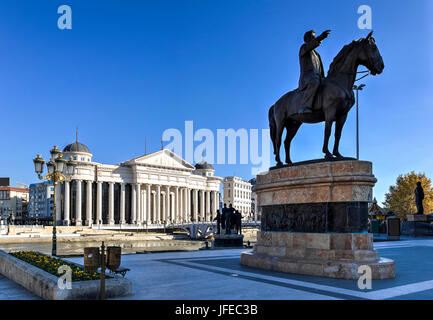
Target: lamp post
357	88
59	169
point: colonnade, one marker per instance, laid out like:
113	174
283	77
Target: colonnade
133	203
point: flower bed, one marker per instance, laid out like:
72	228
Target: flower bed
30	270
51	265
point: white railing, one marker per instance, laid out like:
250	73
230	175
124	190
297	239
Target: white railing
155	226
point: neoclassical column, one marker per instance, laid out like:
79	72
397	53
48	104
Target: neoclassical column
143	206
163	220
89	193
99	202
66	221
202	212
154	218
195	211
208	213
178	205
138	203
133	204
122	203
148	199
173	206
167	204
158	204
184	203
59	204
111	203
78	220
214	204
189	211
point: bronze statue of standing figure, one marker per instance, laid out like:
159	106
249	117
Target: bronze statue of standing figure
321	99
419	197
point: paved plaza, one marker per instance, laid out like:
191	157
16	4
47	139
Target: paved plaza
218	275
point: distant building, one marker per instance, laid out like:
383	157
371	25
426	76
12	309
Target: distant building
41	200
152	189
255	209
238	193
5	182
377	212
13	202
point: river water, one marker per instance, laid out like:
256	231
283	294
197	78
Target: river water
77	247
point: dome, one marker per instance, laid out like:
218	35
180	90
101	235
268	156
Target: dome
204	166
76	147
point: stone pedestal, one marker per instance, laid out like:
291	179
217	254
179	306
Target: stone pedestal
417	218
228	240
314	221
416	225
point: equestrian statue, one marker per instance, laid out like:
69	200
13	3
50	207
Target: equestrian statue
320	98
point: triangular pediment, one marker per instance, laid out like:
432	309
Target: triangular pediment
163	158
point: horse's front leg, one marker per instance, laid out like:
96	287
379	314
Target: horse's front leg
328	127
339	123
278	135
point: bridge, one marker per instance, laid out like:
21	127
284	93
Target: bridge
196	230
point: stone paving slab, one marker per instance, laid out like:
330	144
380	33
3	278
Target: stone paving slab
218	275
10	290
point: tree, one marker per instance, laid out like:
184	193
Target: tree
401	197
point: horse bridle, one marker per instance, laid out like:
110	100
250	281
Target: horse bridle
364	71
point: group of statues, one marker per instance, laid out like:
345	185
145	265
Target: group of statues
229	219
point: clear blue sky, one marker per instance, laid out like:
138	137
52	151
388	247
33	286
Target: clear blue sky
131	69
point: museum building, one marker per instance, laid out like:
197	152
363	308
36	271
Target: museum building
154	189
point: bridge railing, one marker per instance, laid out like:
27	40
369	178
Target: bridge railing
160	225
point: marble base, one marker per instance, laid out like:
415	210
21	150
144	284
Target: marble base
417	217
228	240
334	181
416	228
333	255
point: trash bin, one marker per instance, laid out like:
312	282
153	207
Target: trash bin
374	226
92	259
393	228
114	257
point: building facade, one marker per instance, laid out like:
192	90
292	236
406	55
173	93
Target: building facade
13	203
41	200
154	189
238	193
255	209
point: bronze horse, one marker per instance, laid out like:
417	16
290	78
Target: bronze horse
333	101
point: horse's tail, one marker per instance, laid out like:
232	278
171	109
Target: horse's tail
272	125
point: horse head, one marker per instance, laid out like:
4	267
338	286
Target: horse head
369	55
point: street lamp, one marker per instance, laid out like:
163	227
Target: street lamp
357	88
59	169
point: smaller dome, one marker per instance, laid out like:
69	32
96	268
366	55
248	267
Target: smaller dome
203	165
76	147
